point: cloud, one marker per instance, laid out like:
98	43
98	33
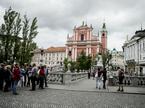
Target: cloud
56	18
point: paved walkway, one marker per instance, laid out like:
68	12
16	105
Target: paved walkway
82	94
90	85
52	98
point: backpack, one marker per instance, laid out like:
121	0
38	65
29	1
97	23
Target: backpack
41	72
121	74
34	72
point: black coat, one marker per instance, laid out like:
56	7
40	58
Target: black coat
2	72
7	75
104	74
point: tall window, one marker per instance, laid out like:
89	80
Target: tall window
82	37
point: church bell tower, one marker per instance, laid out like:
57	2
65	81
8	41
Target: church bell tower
104	37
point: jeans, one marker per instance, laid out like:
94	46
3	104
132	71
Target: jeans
99	82
14	86
33	79
45	80
41	82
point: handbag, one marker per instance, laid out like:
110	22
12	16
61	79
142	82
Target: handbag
96	75
102	78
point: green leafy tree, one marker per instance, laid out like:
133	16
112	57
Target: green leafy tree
16	39
65	62
84	62
89	62
12	45
106	57
28	34
10	28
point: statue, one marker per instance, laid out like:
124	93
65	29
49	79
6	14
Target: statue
68	67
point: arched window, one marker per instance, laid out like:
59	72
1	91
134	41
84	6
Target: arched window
103	34
82	37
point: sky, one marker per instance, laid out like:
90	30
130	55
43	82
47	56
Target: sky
57	18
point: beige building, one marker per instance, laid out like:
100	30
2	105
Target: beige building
117	59
134	53
51	57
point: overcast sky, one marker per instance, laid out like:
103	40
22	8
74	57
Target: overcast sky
56	18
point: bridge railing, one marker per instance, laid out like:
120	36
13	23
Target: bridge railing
130	81
64	78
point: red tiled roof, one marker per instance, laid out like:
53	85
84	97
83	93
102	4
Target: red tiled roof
56	49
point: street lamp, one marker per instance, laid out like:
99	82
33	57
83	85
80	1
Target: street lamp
41	60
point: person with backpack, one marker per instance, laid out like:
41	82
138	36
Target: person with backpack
23	73
121	77
16	78
29	75
99	76
41	77
33	77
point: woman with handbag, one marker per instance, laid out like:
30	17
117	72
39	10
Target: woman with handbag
99	79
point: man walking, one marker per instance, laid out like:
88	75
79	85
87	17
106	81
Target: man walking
104	78
16	78
121	77
41	77
33	77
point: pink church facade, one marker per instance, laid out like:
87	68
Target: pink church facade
83	39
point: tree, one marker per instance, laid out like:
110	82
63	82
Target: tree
106	57
28	34
13	46
84	62
11	29
65	62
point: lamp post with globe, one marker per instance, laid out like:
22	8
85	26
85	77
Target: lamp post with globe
69	59
41	60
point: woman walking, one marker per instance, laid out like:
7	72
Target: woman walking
41	77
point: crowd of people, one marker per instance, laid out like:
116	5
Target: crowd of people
31	76
24	75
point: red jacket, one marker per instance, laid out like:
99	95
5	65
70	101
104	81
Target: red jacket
42	73
16	73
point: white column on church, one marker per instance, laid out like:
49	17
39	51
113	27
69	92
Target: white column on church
86	51
90	50
87	36
72	53
75	36
98	48
75	53
66	52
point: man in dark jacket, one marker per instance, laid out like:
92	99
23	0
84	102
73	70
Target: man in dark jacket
2	71
7	78
121	77
104	78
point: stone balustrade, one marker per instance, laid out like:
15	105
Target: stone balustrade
64	78
130	81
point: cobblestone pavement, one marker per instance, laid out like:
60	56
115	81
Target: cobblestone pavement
52	98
